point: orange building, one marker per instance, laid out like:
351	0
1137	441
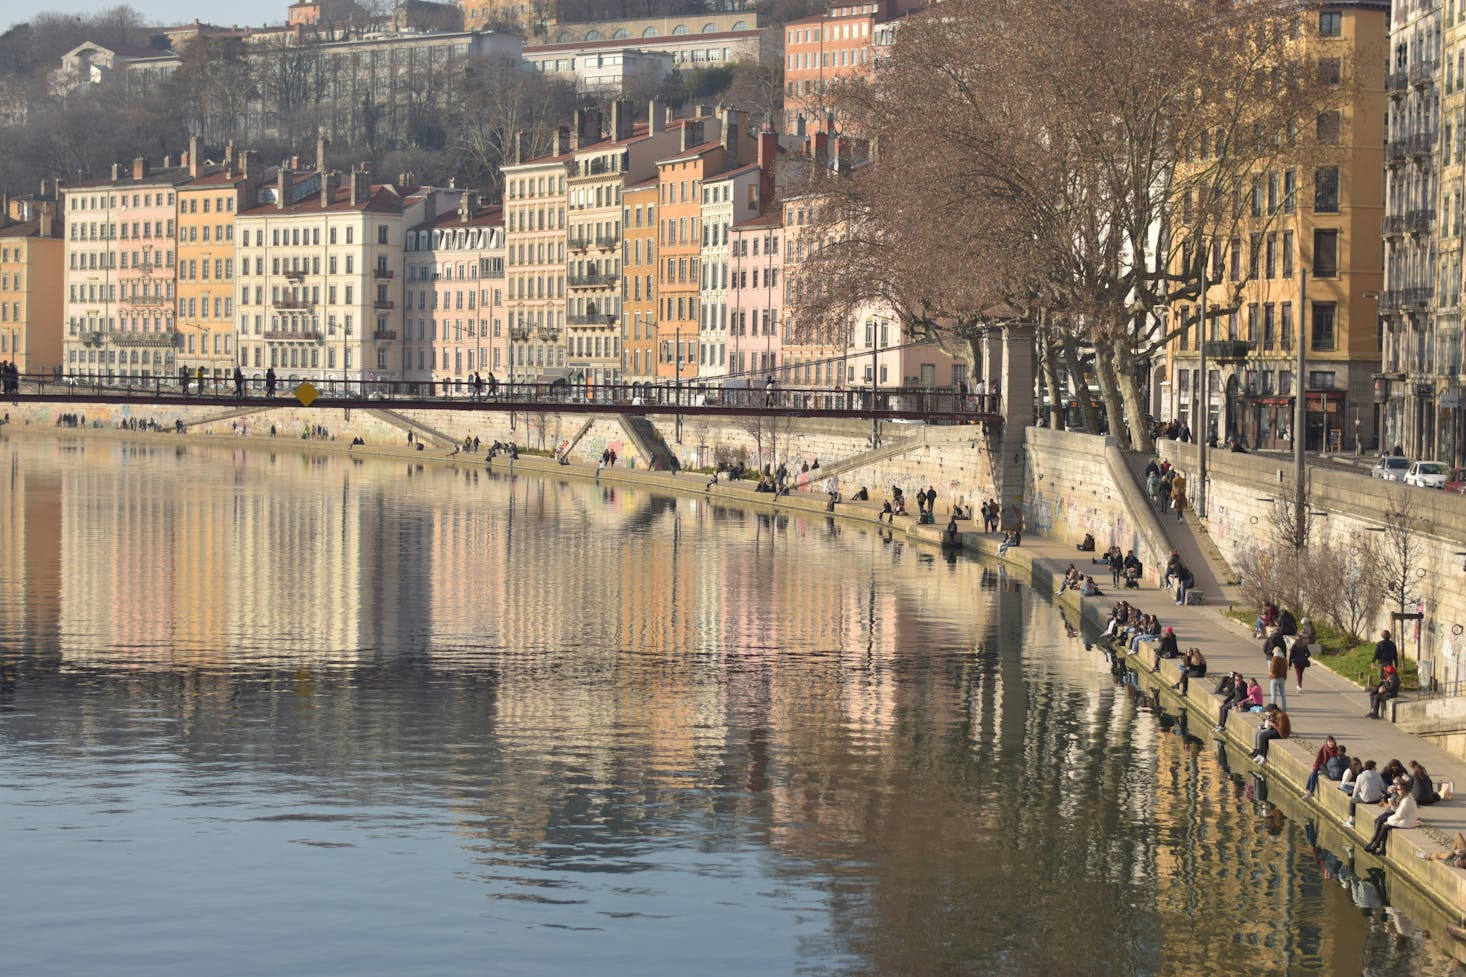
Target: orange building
843	42
638	285
207	204
32	285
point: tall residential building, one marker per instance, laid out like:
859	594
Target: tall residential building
319	275
598	173
453	313
756	293
121	253
729	198
1323	220
534	261
207	204
638	284
1409	305
846	41
813	351
32	283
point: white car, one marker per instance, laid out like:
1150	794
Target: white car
1391	468
1427	474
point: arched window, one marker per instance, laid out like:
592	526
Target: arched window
619	33
649	32
593	35
679	30
709	28
741	25
565	37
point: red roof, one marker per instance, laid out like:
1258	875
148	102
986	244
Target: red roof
382	198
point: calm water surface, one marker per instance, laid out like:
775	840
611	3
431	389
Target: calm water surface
304	715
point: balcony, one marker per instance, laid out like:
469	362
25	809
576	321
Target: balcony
165	339
608	243
592	279
143	301
1419	221
1391	301
386	305
295	274
1396	82
519	333
1423	72
578	244
295	335
591	319
387	274
93	338
1393	225
1227	350
384	335
1396	151
1418	297
549	333
293	302
1421	144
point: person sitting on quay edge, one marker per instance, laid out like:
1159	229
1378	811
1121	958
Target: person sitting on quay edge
1150	627
1072	579
1090	588
1274	642
1387	688
1329	751
1010	539
1193	665
887	513
1166	648
1421	785
1368	787
1287	623
1276	726
1186	581
1244	695
1401	815
1266	618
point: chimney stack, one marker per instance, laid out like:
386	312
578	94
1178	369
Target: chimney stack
229	159
321	144
562	141
46	218
249	162
116	172
656	117
168	162
621	120
195	155
691	133
282	188
519	147
768	155
360	188
329	181
732	135
465	207
139	168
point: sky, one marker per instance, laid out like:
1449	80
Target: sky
153	11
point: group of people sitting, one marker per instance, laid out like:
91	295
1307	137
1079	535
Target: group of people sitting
1074	580
1399	791
1128	626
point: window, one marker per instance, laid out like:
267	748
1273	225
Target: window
1330	71
1329	127
1326	190
1287	254
1330	23
1325	253
1323	339
1286	327
381	233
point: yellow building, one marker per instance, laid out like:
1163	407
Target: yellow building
32	258
639	290
207	204
1325	220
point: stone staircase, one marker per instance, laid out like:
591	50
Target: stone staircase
649	442
419	430
1214	578
885	452
227	415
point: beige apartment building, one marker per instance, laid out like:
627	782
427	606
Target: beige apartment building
639	281
32	259
534	261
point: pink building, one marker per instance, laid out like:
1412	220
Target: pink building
755	293
453	316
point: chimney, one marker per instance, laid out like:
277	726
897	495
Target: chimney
360	187
562	141
691	133
116	172
282	187
819	148
768	155
732	135
5	208
329	181
168	162
465	207
321	144
590	126
656	117
46	218
229	159
195	155
519	147
577	127
139	168
295	162
45	186
621	120
249	165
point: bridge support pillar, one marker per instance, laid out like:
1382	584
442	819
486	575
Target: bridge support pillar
1016	403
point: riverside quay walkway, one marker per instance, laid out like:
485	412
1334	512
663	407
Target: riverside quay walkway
941	405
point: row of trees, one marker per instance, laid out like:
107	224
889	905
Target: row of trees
1079	170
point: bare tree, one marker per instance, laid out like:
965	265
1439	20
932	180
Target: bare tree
1401	550
501	97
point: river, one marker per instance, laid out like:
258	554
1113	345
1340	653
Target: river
266	711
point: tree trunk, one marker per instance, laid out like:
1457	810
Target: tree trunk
1070	348
1049	373
1104	374
1128	383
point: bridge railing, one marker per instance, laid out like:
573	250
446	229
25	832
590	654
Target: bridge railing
913	402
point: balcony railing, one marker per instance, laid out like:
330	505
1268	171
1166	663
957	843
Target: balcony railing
1396	82
1391	301
1396	151
578	243
293	302
1421	143
589	280
1393	225
385	273
549	333
295	274
519	333
608	243
1419	221
1423	72
142	300
589	319
384	304
295	335
1418	297
165	339
384	335
1224	350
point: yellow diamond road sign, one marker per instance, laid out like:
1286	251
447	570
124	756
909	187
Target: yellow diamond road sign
306	394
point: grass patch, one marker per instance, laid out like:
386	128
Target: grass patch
1352	662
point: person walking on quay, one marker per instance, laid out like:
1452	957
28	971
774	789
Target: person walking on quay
1385	652
769	391
238	382
1277	674
1300	658
1178	494
270	382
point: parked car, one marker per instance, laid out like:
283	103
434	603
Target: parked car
1456	481
1426	474
1391	468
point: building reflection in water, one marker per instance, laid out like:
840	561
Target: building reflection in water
586	678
